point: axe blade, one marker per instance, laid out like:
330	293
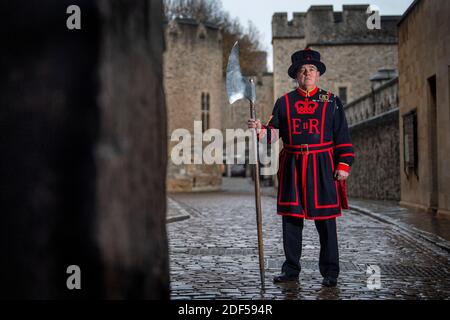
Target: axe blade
238	87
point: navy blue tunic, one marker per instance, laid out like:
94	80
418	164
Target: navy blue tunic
316	140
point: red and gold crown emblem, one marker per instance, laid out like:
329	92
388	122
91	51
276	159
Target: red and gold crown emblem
306	107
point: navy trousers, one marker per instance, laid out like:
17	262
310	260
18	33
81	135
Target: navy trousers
292	242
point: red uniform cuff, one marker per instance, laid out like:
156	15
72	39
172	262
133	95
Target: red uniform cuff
343	166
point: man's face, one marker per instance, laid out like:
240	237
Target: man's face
308	75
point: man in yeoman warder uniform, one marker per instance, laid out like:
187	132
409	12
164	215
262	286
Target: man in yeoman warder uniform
313	164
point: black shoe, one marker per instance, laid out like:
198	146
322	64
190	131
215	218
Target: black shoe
283	277
329	282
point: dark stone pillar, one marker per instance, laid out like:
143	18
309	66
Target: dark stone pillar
82	150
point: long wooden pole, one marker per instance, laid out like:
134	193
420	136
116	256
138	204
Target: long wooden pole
257	197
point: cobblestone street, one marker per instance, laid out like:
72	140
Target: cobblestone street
213	253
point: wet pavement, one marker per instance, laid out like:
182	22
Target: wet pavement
213	253
432	227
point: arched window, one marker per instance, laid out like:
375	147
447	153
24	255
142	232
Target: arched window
205	111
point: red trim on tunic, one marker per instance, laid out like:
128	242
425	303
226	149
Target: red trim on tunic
336	183
309	151
311	145
289	117
296	215
343	145
331	159
346	155
325	217
305	164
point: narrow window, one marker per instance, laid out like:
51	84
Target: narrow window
410	152
205	111
343	94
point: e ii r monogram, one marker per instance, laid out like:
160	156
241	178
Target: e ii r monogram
312	125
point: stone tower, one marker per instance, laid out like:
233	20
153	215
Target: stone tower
351	51
194	88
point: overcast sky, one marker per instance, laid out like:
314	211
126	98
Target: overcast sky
260	12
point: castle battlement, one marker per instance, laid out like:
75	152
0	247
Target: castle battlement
282	28
192	31
320	25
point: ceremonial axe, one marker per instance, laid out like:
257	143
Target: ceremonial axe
239	88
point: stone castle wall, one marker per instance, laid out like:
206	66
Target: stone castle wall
192	66
373	122
425	87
